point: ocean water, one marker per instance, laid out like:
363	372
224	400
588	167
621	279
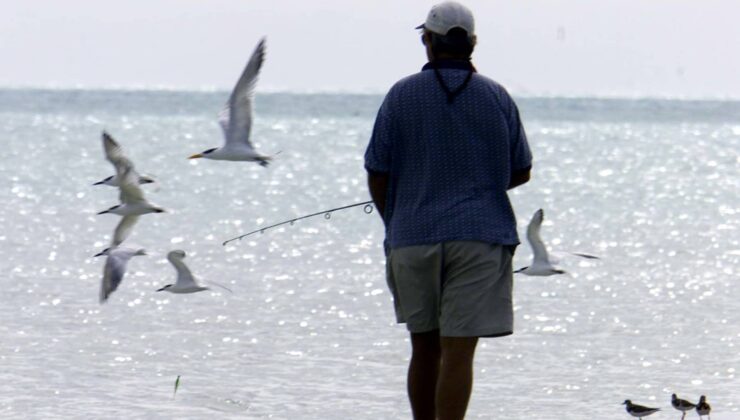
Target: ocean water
651	186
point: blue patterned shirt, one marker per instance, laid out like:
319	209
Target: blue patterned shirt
449	163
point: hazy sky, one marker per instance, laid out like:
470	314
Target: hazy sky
685	48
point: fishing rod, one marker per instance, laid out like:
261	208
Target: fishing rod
327	215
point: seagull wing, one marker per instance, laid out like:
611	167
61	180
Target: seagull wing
113	271
533	236
114	154
184	276
123	230
113	151
236	117
130	192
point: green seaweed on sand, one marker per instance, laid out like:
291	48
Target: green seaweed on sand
177	385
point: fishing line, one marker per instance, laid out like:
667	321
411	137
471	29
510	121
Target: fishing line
368	208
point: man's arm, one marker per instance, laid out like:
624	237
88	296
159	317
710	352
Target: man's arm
519	177
377	182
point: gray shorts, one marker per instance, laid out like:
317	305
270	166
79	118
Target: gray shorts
461	288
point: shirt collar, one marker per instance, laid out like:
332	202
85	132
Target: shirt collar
449	64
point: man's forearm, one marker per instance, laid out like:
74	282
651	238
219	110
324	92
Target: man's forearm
378	185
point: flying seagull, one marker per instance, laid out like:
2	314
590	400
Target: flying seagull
114	154
115	269
123	230
639	411
133	202
185	282
542	263
236	117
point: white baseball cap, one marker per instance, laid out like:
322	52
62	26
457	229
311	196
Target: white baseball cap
447	15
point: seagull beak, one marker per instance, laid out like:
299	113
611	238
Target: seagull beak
196	156
159	290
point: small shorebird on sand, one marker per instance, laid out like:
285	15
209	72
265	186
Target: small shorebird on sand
639	411
703	408
681	405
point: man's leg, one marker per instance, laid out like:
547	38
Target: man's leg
423	372
455	377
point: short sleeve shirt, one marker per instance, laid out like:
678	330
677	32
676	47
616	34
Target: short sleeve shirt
449	163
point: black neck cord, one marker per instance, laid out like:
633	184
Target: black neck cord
452	94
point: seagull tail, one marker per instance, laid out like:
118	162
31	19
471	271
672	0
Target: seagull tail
218	285
146	179
265	160
583	255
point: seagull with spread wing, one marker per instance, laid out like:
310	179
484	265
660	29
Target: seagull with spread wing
236	117
115	268
542	263
133	202
123	230
185	282
114	154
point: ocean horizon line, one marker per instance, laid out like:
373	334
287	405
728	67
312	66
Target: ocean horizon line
362	92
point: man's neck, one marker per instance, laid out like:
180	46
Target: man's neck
445	56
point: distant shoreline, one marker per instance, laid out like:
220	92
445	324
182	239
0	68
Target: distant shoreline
368	92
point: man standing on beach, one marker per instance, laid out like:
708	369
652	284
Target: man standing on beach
446	146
